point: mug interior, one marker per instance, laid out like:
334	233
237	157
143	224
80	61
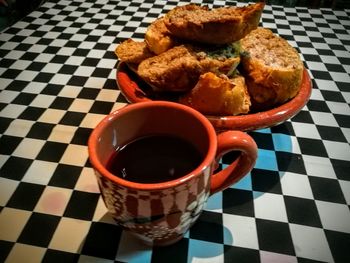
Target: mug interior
142	119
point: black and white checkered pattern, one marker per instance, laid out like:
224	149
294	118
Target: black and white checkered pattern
57	81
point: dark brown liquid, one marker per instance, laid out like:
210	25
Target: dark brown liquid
154	159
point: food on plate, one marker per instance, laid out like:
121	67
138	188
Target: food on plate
178	69
133	52
216	26
272	67
158	38
218	95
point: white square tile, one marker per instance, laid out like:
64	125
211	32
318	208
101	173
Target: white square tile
334	216
240	231
345	187
39	172
12	222
319	166
131	249
7	96
81	105
101	213
26	253
269	206
12	111
323	118
94	82
306	130
70	91
51	68
7	188
338	107
310	242
270	257
84	71
62	133
19	128
87	181
337	150
29	148
91	120
75	155
205	252
70	235
42	101
34	87
52	116
107	95
60	79
297	185
53	201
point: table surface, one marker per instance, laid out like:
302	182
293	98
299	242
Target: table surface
57	81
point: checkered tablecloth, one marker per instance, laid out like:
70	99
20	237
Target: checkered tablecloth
57	81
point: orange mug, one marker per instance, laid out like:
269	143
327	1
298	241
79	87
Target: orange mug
156	207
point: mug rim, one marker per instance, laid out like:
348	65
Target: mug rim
101	169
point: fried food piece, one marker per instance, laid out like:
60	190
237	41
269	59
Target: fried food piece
272	67
133	52
215	95
217	26
178	69
158	37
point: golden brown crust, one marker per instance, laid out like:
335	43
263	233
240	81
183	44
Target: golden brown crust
178	69
215	95
217	26
134	52
158	38
272	67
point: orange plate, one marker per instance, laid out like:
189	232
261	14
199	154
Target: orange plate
136	90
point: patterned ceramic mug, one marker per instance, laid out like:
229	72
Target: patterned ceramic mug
161	213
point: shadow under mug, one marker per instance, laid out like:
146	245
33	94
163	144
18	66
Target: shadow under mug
161	213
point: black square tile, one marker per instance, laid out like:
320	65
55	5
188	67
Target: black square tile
275	237
290	162
342	86
52	151
31	56
208	228
312	147
15	168
43	77
90	62
176	253
101	72
101	107
318	105
321	74
266	181
307	260
81	205
5	248
102	240
39	230
61	103
335	67
302	211
110	84
88	93
240	254
238	202
52	89
4	124
36	66
331	133
17	85
40	130
8	144
59	59
332	96
341	169
339	244
77	81
65	176
284	128
72	118
342	120
303	116
325	189
263	140
81	136
26	196
68	69
56	256
11	73
31	113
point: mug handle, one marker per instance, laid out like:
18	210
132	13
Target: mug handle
233	141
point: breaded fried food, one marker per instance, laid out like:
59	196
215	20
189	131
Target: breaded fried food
216	26
272	67
158	38
133	52
178	69
215	95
